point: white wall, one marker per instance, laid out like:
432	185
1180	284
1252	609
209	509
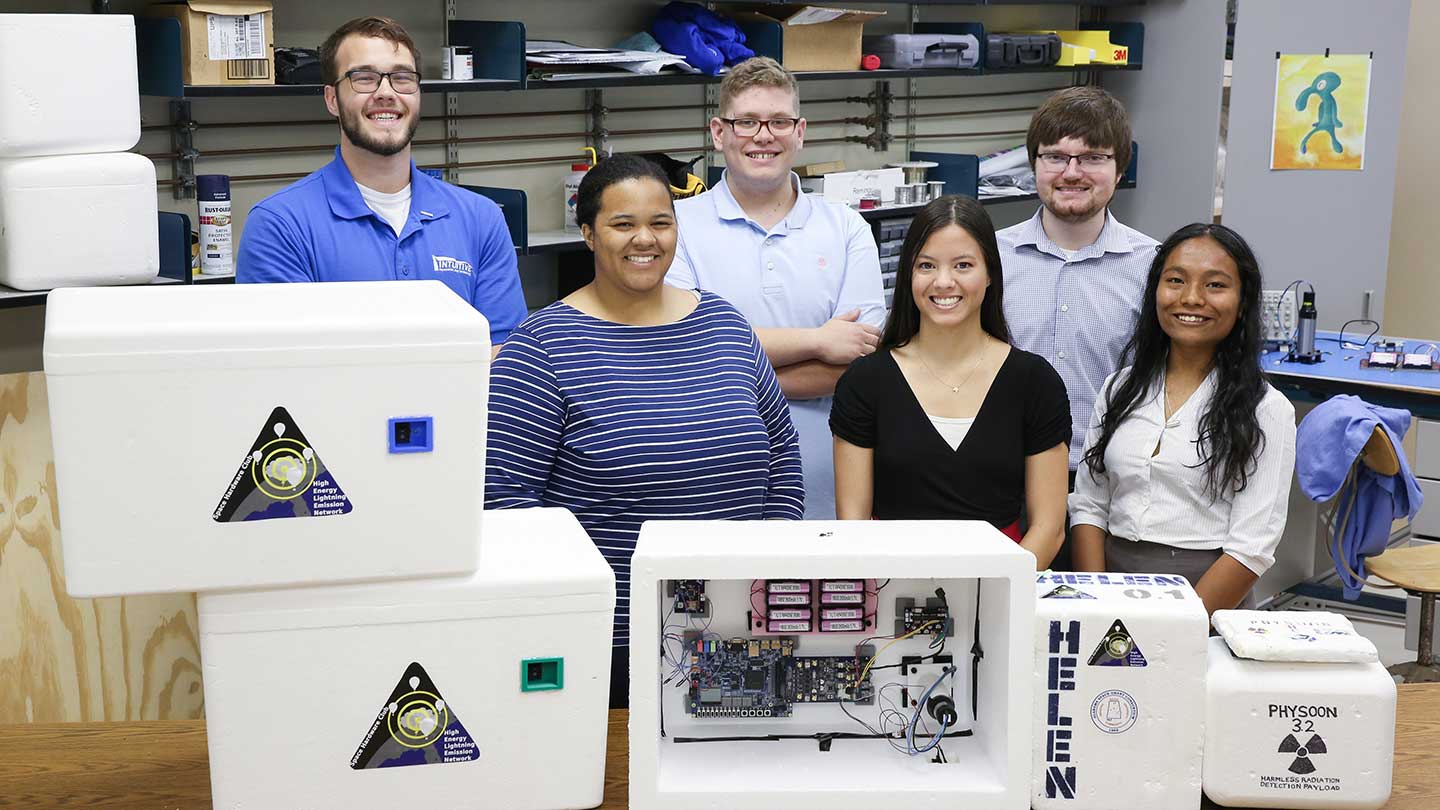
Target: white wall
1412	287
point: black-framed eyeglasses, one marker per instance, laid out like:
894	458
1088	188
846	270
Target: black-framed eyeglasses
368	81
1059	161
750	127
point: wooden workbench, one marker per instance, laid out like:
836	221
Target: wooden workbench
163	765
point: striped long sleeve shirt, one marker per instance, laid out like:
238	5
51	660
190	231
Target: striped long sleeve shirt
623	424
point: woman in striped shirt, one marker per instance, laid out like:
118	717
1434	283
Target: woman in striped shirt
631	400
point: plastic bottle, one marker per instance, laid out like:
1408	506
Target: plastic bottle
572	193
213	195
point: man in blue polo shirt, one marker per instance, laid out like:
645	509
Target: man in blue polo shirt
804	272
370	215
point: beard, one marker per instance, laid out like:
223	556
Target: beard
352	124
1074	213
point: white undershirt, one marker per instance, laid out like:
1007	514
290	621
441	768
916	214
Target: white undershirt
1069	254
393	208
952	430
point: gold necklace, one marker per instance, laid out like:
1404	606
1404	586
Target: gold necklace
955	389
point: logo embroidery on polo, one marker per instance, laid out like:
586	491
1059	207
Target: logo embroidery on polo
822	262
445	264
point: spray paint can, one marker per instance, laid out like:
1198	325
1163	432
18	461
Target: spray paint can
216	245
571	194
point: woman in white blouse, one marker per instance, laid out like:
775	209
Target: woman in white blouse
1190	452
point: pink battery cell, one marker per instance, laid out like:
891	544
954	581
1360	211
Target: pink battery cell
787	586
788	627
779	608
841	627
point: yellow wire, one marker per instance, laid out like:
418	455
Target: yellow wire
871	662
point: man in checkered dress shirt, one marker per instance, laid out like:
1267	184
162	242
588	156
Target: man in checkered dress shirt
1074	275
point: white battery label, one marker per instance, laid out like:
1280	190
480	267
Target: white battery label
789	627
840	613
843	598
788	587
841	627
790	613
842	585
789	599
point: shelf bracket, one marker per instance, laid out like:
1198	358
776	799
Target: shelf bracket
598	136
182	143
452	109
881	100
911	88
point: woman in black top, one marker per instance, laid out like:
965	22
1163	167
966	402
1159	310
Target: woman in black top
947	420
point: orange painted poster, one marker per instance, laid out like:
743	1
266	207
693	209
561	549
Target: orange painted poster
1321	104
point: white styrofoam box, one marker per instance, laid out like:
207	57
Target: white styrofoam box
325	697
68	84
988	771
1119	689
78	220
1426	463
212	437
1297	735
1293	635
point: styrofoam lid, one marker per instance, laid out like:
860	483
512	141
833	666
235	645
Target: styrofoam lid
162	328
1293	635
77	171
532	562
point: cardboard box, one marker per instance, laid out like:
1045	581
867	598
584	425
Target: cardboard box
814	37
820	169
224	41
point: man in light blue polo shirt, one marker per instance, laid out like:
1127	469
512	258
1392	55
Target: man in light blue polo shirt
370	215
1074	275
804	272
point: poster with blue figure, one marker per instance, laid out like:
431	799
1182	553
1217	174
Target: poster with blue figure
1321	107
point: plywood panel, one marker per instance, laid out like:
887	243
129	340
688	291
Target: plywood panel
63	659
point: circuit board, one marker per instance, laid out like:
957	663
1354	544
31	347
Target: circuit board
689	596
933	617
763	677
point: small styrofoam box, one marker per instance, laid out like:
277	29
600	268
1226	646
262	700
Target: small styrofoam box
68	85
78	220
1119	688
386	694
1297	735
989	770
212	437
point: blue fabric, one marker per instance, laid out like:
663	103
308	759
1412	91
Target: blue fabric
706	40
320	229
1327	443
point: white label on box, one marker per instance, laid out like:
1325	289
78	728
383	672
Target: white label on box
236	37
814	14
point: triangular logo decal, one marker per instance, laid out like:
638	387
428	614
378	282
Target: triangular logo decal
1117	649
281	477
416	726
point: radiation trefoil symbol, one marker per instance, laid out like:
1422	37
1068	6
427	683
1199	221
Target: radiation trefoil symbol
1302	763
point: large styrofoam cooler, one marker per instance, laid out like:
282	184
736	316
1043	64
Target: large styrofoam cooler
214	437
1119	689
986	771
78	220
68	84
405	694
1298	735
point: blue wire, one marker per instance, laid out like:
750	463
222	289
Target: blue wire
920	706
